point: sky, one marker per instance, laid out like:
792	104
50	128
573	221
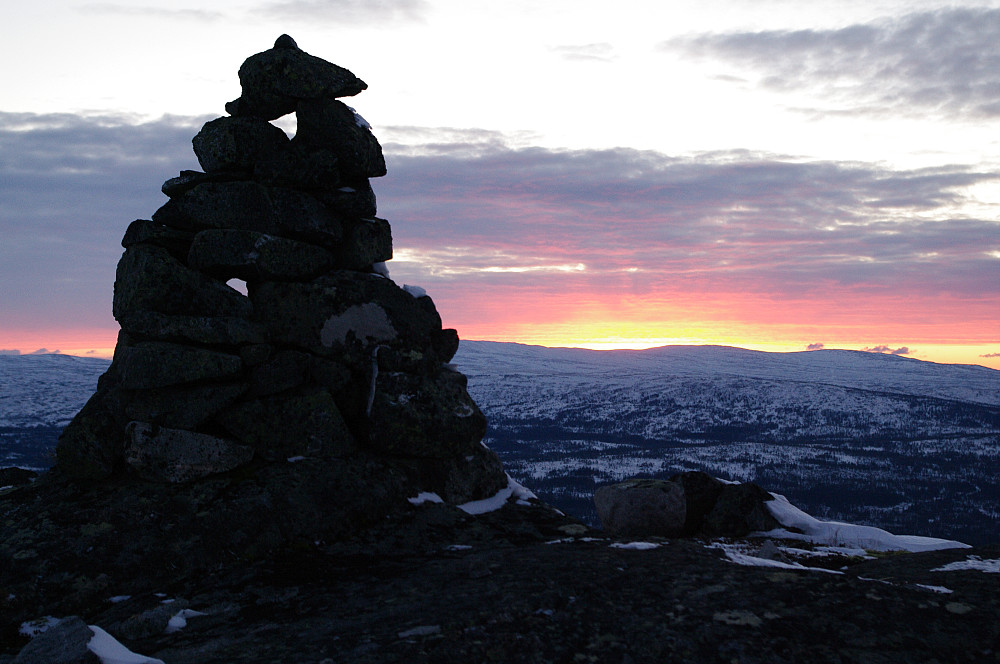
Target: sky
772	174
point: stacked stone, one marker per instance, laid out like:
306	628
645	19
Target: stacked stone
324	357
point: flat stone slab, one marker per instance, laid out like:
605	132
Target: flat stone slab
176	455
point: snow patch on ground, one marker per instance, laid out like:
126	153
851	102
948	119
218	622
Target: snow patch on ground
735	554
425	497
635	546
110	651
833	533
972	563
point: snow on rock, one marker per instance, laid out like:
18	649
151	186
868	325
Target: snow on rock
360	121
422	630
179	620
834	533
972	563
33	628
734	554
495	502
635	546
425	497
415	291
110	651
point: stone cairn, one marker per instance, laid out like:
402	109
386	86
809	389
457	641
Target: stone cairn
324	358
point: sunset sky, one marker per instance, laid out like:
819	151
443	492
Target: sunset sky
772	174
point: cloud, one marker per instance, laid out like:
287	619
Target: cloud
816	346
43	351
597	52
988	355
158	13
475	213
6	351
945	62
903	350
348	11
71	185
714	220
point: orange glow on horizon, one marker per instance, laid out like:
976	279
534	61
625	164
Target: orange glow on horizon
780	338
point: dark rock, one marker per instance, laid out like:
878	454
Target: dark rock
241	205
344	311
255	354
445	344
290	425
176	455
250	206
149	279
701	491
331	374
151	622
300	216
472	476
424	416
185	407
285	41
286	370
740	510
253	256
145	231
275	81
297	167
171	214
366	242
201	330
91	443
155	364
63	643
641	508
330	123
354	199
237	144
188	180
16	476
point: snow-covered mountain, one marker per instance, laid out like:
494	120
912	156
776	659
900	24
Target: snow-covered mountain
45	390
39	395
879	439
898	443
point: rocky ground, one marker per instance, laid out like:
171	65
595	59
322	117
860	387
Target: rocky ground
433	584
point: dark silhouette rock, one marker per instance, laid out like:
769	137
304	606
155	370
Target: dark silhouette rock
63	643
252	256
641	508
701	491
307	407
236	144
740	510
276	80
16	476
324	121
177	455
687	504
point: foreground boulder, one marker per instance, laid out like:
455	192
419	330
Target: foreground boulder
687	504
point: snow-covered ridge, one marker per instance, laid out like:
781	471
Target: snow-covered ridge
45	390
843	368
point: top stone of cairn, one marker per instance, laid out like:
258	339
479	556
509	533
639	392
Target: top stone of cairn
276	80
